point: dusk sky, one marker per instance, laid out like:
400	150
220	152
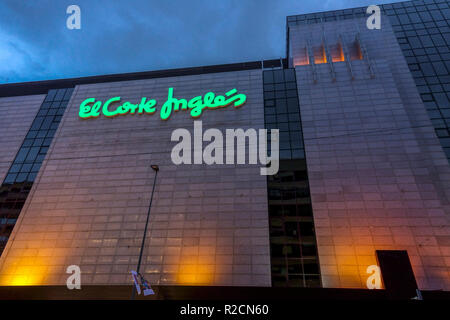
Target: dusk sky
132	35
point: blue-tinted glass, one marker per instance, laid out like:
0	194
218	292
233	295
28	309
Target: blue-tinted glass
280	94
445	113
41	134
426	41
414	17
414	42
289	75
55	104
22	154
271	119
279	87
278	76
68	94
427	69
10	178
15	168
36	167
60	95
27	143
294	117
32	176
296	143
291	85
31	134
438	40
47	142
47	123
295	126
291	93
441	100
32	154
445	142
404	19
42	112
436	15
50	95
269	95
440	68
26	167
37	123
46	105
285	154
21	177
268	76
38	142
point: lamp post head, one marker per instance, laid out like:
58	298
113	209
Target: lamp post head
154	167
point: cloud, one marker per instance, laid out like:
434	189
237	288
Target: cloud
19	59
129	36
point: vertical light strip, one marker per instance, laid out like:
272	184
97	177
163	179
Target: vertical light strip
294	259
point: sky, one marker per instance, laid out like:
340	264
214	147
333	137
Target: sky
141	35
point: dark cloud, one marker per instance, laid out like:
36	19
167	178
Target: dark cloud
126	36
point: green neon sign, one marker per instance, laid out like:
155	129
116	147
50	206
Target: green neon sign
90	108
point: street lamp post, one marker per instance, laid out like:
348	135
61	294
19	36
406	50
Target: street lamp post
156	169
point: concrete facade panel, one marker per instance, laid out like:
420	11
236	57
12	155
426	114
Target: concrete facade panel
88	206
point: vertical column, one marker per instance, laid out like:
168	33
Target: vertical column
294	259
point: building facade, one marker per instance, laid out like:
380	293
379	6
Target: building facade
363	125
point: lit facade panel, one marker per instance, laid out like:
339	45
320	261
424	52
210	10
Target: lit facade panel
423	33
371	153
208	225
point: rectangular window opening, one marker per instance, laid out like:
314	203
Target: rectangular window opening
355	51
337	52
319	55
302	58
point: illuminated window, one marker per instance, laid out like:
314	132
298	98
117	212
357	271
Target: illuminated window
319	55
301	58
337	53
355	51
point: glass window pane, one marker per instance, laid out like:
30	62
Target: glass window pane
50	95
22	154
32	154
60	95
